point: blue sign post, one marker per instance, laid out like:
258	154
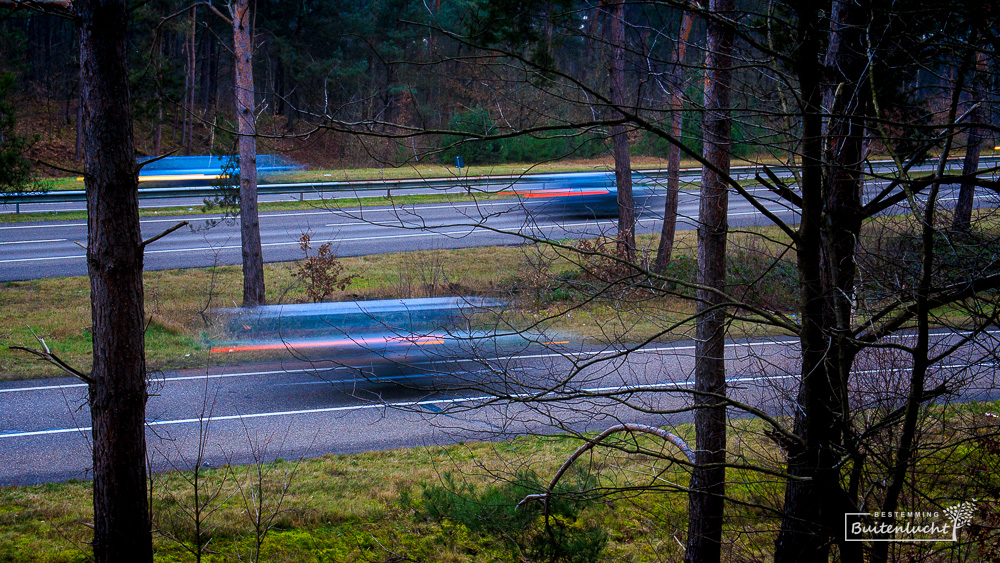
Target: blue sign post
459	162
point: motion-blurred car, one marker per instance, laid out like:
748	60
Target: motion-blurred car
205	170
401	332
584	194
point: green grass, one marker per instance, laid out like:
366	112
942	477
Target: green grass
58	309
360	507
549	286
456	503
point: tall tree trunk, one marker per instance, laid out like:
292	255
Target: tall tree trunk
816	502
253	260
78	150
206	46
800	536
619	136
158	129
970	165
114	262
669	227
708	478
189	84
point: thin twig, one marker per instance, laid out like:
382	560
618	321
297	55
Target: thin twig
46	354
674	439
163	234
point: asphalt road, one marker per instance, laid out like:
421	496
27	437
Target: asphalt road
305	410
436	186
290	409
53	249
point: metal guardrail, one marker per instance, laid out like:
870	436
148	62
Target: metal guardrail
320	188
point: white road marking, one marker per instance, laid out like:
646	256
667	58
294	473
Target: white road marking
286	214
403	404
491	359
582	393
670	348
33	241
42	258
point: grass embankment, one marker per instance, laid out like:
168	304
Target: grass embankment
377	506
459	503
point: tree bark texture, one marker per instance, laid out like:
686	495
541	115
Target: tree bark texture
970	165
253	260
708	479
189	81
669	227
832	160
619	135
114	262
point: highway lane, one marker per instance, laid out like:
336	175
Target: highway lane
35	250
321	191
52	249
305	410
460	184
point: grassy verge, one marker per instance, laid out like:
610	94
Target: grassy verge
363	507
58	309
458	503
589	298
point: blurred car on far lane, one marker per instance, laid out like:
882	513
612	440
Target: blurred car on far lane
206	170
583	194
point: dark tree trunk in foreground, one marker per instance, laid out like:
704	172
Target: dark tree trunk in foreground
253	260
708	479
114	262
619	136
832	157
669	227
967	191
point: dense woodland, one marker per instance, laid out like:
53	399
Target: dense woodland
332	76
820	87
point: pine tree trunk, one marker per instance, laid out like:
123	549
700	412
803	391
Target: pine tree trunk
619	137
253	261
708	478
970	165
114	262
189	83
832	157
669	227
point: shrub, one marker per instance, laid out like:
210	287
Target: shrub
494	511
322	272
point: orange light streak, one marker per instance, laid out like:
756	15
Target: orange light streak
416	340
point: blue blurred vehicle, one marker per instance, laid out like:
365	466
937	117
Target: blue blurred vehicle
205	170
399	332
585	194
